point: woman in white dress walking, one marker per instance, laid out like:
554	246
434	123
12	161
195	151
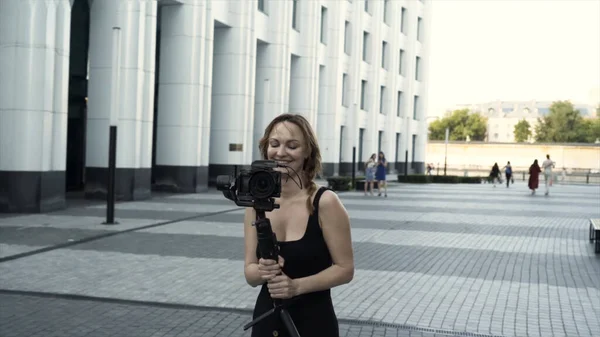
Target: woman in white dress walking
547	167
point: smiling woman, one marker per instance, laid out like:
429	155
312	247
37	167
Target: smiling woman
313	230
290	140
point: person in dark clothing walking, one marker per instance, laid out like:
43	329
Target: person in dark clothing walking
508	173
380	174
495	174
534	176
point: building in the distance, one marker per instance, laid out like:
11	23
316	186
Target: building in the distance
504	115
199	81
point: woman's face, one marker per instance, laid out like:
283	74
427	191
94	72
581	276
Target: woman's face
287	146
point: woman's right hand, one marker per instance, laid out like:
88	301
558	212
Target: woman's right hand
268	269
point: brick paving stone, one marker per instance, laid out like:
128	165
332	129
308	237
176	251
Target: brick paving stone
467	259
22	315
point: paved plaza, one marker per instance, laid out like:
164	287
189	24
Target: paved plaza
431	260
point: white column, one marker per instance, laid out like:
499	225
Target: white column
264	90
181	98
232	115
374	83
23	91
273	65
61	85
305	77
421	155
132	88
392	119
207	90
329	86
409	84
34	56
353	115
148	93
327	129
103	16
47	78
133	179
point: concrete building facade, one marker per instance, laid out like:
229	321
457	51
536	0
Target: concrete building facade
199	81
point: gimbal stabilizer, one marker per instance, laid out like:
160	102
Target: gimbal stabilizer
269	249
258	188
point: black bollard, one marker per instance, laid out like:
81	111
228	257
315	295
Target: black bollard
406	163
587	178
110	186
445	165
353	167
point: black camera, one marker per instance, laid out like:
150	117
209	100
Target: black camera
254	188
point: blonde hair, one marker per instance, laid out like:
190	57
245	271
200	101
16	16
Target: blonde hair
312	164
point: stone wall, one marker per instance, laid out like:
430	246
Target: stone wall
480	155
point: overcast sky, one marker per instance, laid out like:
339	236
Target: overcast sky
483	50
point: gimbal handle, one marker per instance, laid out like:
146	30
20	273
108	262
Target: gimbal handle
267	240
269	249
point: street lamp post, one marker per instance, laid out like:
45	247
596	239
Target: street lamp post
446	151
428	133
406	152
112	133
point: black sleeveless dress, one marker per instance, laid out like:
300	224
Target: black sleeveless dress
312	313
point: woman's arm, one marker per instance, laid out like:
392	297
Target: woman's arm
336	231
250	241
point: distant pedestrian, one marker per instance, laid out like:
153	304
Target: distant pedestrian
370	173
380	174
548	165
495	174
508	173
534	176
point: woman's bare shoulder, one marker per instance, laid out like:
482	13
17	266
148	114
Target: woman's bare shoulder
329	198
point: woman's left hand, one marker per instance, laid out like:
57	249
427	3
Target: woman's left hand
282	287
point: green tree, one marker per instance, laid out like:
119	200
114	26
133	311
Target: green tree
461	124
591	130
522	131
564	124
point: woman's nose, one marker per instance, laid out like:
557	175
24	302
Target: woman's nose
281	151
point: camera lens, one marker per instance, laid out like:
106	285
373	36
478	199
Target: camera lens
262	185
